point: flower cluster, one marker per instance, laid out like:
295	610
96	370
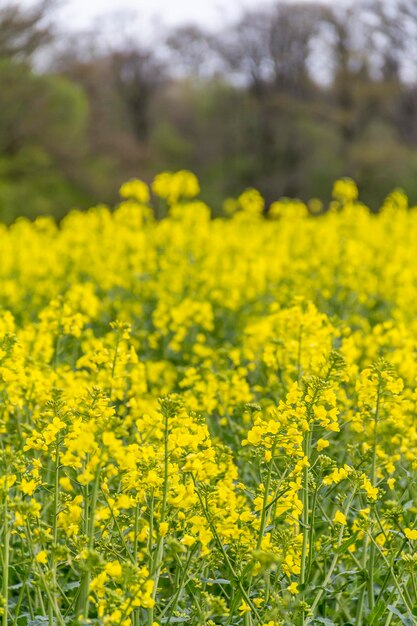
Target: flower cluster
209	421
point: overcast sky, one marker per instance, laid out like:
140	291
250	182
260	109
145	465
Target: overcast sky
77	14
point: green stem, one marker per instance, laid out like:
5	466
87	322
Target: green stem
136	612
119	530
52	561
371	589
113	366
388	574
368	588
179	589
311	532
414	585
20	599
305	513
265	508
45	584
6	547
56	496
300	336
335	558
94	496
226	557
157	562
136	532
83	601
395	581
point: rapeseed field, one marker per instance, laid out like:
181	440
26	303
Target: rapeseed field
210	421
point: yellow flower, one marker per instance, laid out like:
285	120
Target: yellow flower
293	588
28	486
251	201
410	533
371	492
244	608
345	189
339	518
42	557
139	355
135	189
114	569
66	484
322	444
173	186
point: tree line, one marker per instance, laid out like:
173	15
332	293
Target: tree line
286	98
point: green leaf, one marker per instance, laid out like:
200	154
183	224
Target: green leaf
346	544
70	586
39	620
405	620
376	612
216	581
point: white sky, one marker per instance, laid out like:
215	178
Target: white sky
170	12
76	14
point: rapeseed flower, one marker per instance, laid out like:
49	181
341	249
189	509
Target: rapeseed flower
209	420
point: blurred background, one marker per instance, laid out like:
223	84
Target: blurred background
284	96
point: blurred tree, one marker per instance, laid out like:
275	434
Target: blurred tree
193	52
42	141
25	30
137	75
286	98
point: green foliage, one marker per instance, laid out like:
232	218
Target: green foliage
42	137
242	108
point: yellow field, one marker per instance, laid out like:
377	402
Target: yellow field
210	421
